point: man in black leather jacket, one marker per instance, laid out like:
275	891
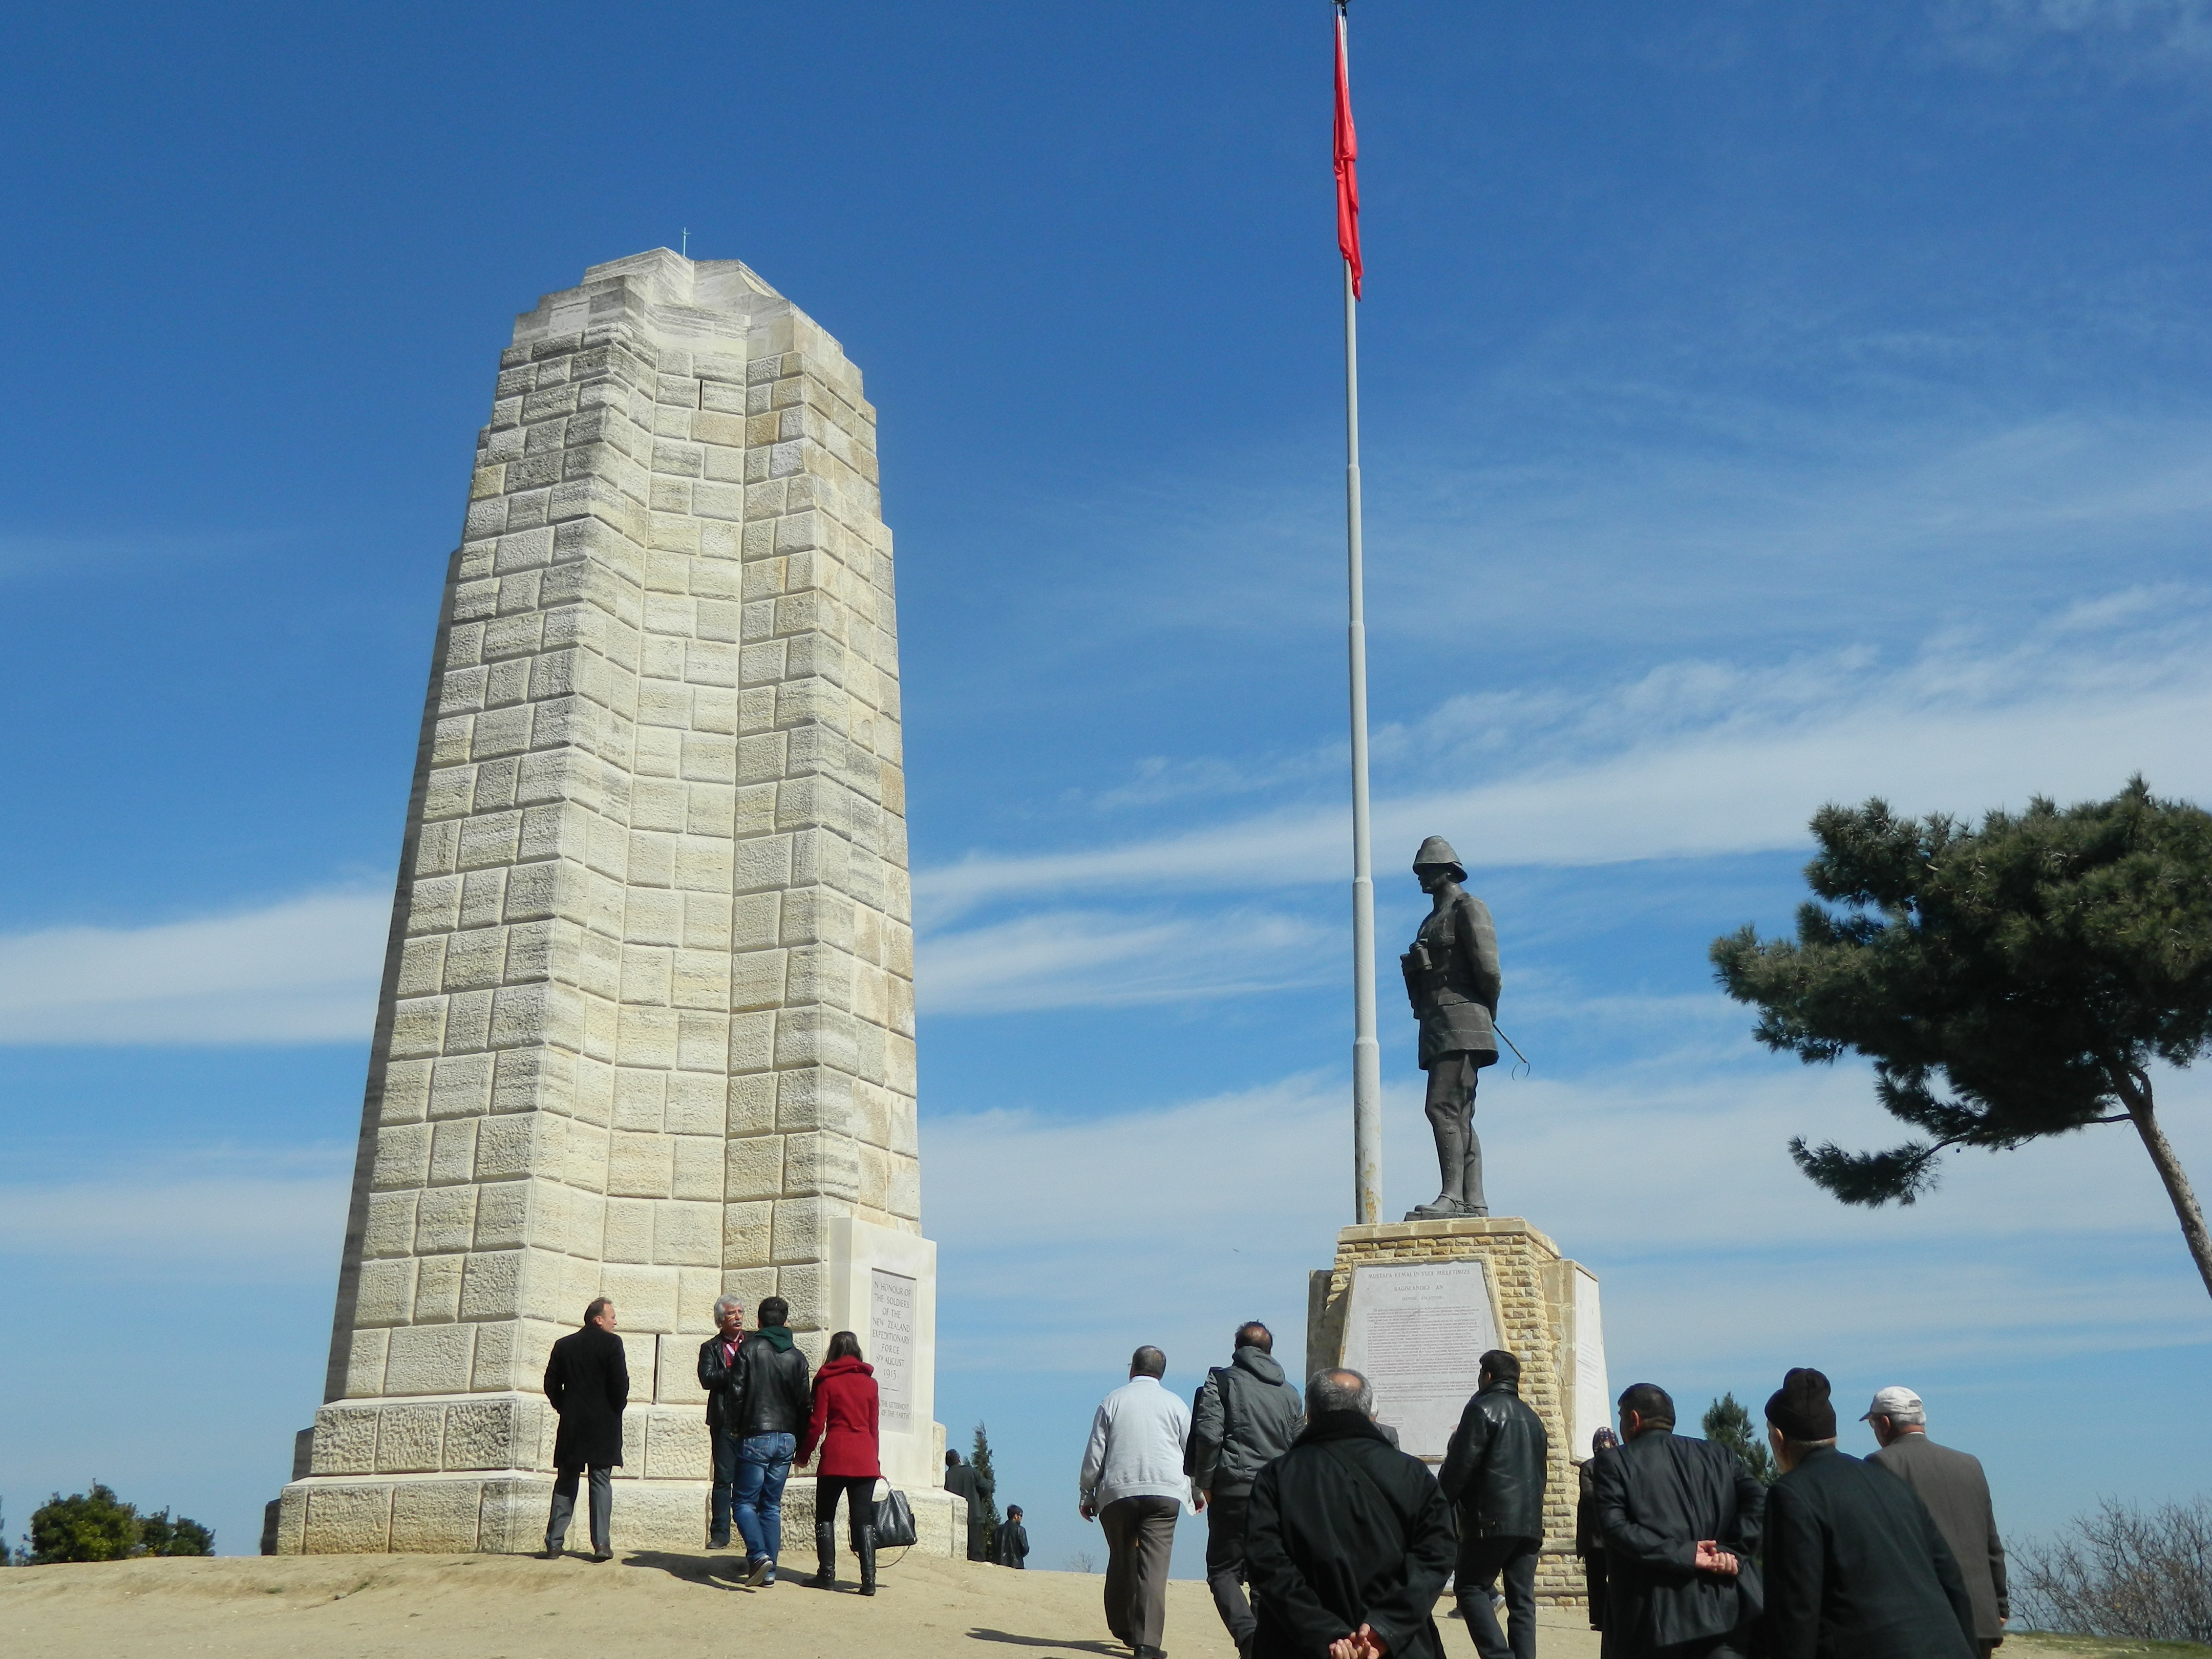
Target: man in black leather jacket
718	1374
1679	1523
1494	1471
774	1401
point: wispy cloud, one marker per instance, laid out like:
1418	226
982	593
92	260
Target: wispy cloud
1071	958
2126	36
304	970
1702	757
263	1215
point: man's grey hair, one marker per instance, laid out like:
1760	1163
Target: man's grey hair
1339	1391
723	1304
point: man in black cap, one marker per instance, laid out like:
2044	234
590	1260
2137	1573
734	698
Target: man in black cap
1856	1568
1452	980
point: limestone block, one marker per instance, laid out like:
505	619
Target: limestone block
365	1364
641	1100
436	1516
481	1434
629	1231
453	1151
390	1229
753	1168
437	1290
662	1514
687	1234
815	1097
646	1299
429	1360
698	1101
292	1519
677	1447
348	1520
746	1235
492	1286
403	1157
639	1165
410	1439
697	1168
445	1220
806	1286
387	1296
344	1441
512	1518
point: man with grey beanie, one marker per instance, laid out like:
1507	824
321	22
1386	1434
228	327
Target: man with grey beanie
1855	1566
1957	1493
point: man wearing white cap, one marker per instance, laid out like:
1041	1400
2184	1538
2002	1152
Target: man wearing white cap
1957	1493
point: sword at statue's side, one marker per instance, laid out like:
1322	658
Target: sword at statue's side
1366	1051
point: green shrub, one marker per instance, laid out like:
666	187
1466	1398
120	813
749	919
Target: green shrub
94	1526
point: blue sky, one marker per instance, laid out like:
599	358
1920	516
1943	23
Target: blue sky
1762	406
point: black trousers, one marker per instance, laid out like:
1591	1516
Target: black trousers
725	1482
859	1492
1483	1564
1225	1517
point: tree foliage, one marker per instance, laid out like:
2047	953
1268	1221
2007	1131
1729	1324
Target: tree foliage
94	1526
1728	1424
2008	982
98	1526
986	1482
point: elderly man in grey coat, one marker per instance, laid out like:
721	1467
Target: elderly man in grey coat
1957	1493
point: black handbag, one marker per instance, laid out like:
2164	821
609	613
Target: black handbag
893	1520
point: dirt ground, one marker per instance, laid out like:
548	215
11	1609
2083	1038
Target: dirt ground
495	1607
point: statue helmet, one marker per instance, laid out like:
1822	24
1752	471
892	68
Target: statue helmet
1437	853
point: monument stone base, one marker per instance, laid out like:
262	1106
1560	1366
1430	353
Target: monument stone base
1414	1304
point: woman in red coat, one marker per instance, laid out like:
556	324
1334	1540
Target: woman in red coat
843	1424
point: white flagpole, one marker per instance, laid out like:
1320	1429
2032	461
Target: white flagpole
1366	1051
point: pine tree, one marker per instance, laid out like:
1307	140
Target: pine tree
987	1487
1726	1424
2008	982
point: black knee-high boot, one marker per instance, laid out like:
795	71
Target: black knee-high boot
864	1546
825	1554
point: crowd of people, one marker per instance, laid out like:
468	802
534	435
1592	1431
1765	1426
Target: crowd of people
1324	1537
1345	1543
766	1413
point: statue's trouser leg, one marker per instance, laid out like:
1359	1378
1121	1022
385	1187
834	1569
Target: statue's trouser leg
1471	1187
1450	1111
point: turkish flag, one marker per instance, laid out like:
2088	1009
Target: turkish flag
1347	166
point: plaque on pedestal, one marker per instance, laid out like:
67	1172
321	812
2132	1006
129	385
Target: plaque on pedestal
1417	1332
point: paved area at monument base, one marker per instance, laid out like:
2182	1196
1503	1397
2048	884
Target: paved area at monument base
489	1606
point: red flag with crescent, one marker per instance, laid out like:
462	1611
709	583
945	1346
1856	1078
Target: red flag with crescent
1347	166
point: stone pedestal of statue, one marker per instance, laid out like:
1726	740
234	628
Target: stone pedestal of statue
1413	1305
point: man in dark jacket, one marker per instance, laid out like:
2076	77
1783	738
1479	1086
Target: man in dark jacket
1494	1469
1957	1493
966	1481
1010	1544
1855	1566
1679	1523
588	1383
718	1374
1349	1540
774	1403
1245	1415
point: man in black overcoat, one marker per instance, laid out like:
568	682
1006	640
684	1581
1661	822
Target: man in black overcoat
1856	1568
588	1383
1349	1539
1679	1520
1495	1470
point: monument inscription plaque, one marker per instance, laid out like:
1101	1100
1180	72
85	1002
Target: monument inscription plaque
1418	1331
890	1321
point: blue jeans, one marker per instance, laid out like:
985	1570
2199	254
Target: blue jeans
764	1465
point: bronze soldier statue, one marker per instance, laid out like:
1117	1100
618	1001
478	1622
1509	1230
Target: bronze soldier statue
1453	981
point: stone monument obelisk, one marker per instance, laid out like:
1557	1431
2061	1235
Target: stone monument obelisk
647	1025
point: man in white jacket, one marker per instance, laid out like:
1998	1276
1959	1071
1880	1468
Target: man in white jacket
1133	1485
